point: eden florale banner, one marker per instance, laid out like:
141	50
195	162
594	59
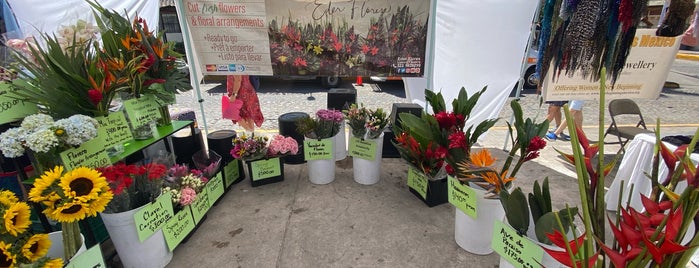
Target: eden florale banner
308	37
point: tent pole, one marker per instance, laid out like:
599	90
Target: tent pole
431	45
523	69
192	64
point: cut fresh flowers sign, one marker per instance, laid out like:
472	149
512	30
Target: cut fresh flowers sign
277	37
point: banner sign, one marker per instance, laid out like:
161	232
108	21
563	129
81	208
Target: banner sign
643	76
314	38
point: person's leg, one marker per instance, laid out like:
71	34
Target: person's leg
554	112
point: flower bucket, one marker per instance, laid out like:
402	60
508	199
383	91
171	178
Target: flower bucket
321	171
152	252
474	235
56	249
546	260
368	172
320	159
432	192
340	143
265	171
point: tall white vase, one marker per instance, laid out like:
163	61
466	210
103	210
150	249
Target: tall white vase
368	172
152	252
56	249
340	144
322	171
474	235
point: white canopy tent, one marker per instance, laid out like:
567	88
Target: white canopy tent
38	16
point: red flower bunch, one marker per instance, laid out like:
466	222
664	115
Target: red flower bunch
450	120
567	257
427	157
535	145
133	185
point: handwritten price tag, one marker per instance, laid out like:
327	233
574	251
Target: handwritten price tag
517	250
215	187
12	108
89	154
417	181
462	197
90	258
114	129
152	217
263	169
177	228
201	205
142	111
231	172
365	149
318	149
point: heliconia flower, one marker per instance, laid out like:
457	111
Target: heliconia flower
458	140
563	256
95	96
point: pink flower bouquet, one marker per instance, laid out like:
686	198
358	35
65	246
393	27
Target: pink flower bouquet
280	145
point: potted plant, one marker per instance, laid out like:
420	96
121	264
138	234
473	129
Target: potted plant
657	237
135	186
264	162
488	182
434	143
366	142
20	246
319	144
71	196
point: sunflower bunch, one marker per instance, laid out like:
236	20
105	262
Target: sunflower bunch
19	246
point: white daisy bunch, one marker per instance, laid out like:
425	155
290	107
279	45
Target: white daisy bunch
41	134
78	129
11	142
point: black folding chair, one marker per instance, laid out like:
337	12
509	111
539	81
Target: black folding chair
627	110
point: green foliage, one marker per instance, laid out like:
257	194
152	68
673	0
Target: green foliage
540	200
516	210
547	223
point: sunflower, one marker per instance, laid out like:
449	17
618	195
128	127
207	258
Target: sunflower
16	218
8	198
99	204
83	184
7	259
42	184
36	247
52	263
70	212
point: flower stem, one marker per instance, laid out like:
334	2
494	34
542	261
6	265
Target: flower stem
71	239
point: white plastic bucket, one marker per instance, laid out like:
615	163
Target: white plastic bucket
152	252
368	172
56	249
474	235
340	144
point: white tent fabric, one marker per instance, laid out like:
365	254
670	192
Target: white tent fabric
478	43
40	16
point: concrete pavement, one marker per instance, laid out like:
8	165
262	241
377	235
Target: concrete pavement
344	224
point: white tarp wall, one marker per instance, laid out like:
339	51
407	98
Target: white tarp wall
477	43
36	16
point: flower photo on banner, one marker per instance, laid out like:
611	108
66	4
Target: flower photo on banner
20	247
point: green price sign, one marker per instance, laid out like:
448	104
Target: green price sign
318	149
265	168
13	108
518	250
462	197
365	149
142	111
231	172
114	129
215	187
152	217
90	258
201	205
89	154
177	228
417	181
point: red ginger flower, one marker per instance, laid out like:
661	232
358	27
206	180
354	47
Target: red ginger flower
458	140
564	256
95	96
